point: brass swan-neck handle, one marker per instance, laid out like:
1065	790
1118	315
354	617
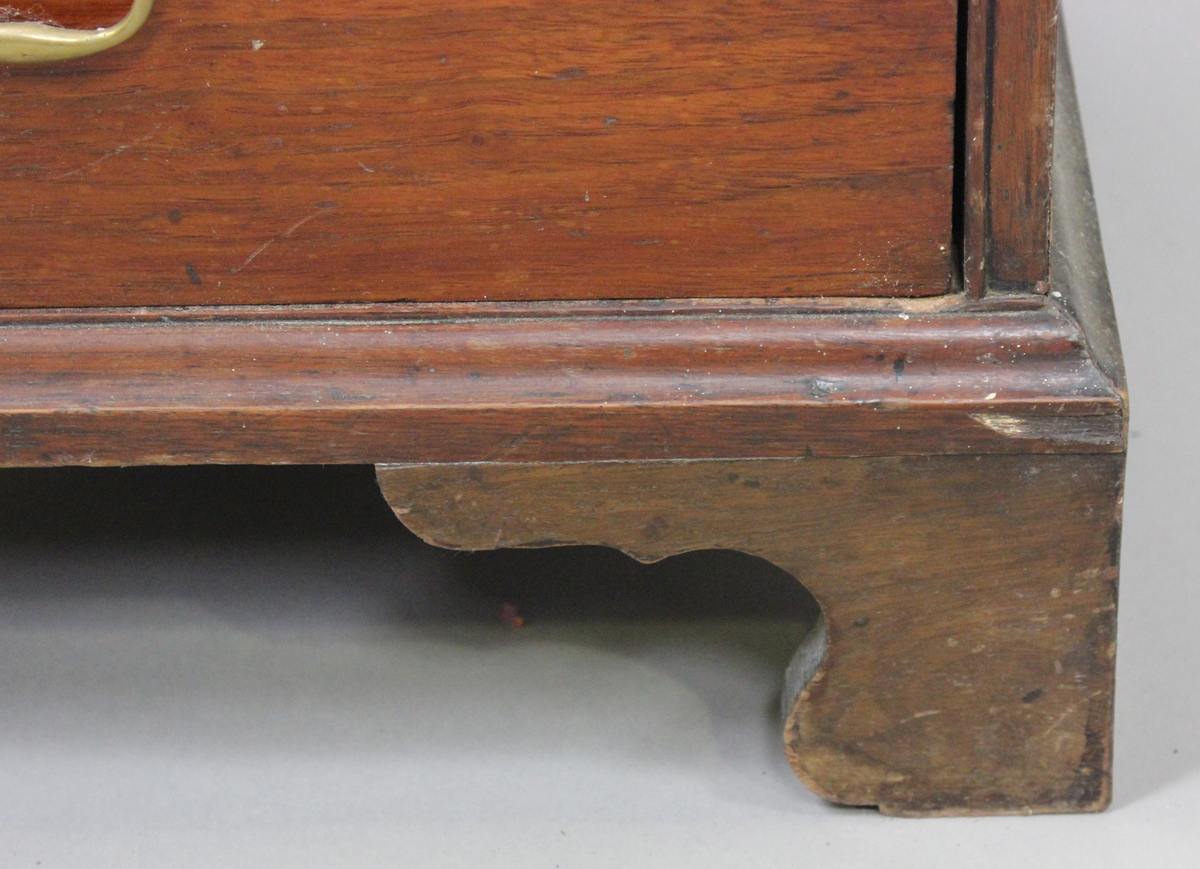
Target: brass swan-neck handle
31	42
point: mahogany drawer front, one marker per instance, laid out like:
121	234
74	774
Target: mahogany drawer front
238	152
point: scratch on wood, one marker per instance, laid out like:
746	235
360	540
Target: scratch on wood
266	244
1058	722
919	715
121	149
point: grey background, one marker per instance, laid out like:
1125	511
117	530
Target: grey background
256	667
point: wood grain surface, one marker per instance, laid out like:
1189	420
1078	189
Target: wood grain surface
1010	74
185	388
259	152
1021	141
969	603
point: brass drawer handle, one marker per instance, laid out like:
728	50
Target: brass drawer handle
30	42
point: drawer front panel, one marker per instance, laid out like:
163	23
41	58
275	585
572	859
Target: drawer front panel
244	152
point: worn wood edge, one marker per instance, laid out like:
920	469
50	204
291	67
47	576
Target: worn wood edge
423	496
1107	431
1079	274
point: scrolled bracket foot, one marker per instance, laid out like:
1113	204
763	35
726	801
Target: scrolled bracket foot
963	664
